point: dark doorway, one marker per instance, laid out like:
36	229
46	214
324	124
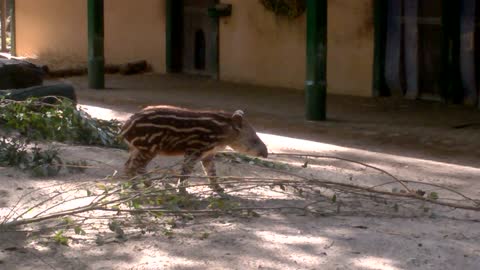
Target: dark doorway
430	45
174	35
200	50
193	42
477	51
423	49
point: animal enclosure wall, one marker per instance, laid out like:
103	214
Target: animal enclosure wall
255	46
55	31
258	47
350	47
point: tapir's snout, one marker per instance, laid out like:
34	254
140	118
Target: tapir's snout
264	153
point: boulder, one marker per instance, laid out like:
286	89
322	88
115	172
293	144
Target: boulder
15	74
60	90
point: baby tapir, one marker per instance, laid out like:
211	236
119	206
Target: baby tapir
198	135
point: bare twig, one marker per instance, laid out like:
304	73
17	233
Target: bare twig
347	160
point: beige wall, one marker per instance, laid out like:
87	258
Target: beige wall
350	47
256	46
259	48
55	31
135	30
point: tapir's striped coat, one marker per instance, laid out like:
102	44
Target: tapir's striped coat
167	130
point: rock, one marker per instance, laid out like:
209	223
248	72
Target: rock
60	89
16	74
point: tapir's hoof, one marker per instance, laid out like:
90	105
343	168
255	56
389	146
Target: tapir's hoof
182	190
217	188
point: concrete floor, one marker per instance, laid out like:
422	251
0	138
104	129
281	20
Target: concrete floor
407	128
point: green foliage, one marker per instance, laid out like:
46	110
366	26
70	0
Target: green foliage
45	162
13	153
289	8
78	230
35	160
204	235
116	227
433	196
39	162
62	122
239	158
222	204
60	238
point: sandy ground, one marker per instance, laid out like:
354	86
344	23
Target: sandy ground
356	239
364	235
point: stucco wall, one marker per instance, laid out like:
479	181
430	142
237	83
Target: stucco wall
350	47
258	47
55	31
135	30
52	30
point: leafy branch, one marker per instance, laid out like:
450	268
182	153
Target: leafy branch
61	121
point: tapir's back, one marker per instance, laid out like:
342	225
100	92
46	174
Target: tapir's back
174	130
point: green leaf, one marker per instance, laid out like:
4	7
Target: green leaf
433	196
102	186
136	204
59	238
67	220
79	230
204	235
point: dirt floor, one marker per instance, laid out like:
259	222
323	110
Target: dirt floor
422	129
412	140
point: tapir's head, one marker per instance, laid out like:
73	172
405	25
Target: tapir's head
246	140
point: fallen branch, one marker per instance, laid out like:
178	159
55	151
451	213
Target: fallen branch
347	160
155	200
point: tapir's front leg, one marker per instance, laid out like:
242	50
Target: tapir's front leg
137	162
191	158
209	167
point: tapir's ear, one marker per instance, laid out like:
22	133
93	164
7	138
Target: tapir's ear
237	119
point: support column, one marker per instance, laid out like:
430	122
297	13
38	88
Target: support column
316	83
13	29
96	58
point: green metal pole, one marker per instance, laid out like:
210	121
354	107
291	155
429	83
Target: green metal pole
13	29
380	22
316	83
96	58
